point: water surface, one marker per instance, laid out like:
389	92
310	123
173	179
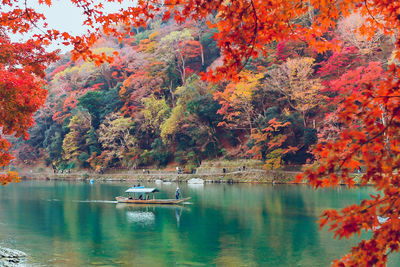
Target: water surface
78	224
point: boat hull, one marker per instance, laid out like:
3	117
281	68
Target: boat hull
151	201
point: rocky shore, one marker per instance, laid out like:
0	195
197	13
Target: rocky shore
12	257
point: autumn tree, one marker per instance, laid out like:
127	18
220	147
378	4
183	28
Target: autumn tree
21	91
143	78
185	93
353	81
349	32
269	144
115	137
174	48
75	142
338	63
155	112
294	79
199	30
236	101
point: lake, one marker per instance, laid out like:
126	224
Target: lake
79	224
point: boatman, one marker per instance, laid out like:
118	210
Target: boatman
177	193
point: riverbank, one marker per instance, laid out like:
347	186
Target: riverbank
211	171
247	176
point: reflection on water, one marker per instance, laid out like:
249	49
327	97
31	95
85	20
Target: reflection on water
96	201
141	217
196	186
78	224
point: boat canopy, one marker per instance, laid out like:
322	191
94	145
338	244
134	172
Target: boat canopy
141	190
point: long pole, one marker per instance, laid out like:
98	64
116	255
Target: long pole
179	187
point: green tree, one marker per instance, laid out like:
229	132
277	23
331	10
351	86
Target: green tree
185	94
100	103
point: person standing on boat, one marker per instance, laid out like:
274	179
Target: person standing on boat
177	193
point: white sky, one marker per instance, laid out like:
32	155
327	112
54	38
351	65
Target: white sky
64	16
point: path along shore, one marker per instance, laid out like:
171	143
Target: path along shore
247	176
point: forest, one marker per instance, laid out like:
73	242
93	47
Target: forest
151	107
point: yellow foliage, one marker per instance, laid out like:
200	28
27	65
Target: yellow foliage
185	94
79	125
155	112
70	147
244	90
171	125
153	35
294	79
106	50
115	136
237	97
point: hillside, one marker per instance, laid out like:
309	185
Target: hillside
151	106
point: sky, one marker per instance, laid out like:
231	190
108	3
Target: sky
64	16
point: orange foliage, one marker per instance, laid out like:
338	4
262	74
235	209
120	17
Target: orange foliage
368	138
236	100
269	143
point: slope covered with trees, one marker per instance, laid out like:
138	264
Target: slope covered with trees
150	106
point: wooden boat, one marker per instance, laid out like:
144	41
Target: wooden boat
141	195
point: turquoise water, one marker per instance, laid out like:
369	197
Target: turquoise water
78	224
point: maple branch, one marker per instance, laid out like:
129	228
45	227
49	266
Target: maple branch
32	22
366	142
391	205
369	12
253	42
365	208
372	16
292	31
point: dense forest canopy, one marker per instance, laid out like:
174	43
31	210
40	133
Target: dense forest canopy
150	106
182	80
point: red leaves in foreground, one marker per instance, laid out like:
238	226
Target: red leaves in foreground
369	138
22	67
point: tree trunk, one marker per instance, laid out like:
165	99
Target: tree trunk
202	54
182	71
